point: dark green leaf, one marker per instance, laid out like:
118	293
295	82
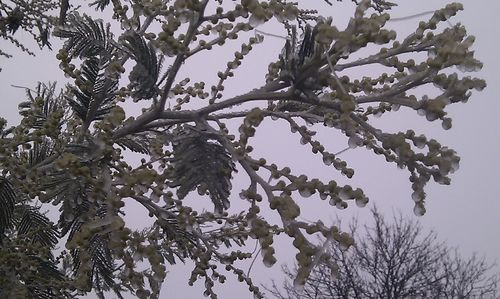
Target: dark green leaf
7	202
100	4
203	163
37	227
51	103
139	143
40	151
101	275
46	269
145	73
86	37
93	98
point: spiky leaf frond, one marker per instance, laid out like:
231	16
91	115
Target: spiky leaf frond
100	4
37	278
86	37
297	52
177	241
203	163
145	73
94	96
63	188
48	270
41	104
139	143
96	250
31	238
102	262
7	203
72	210
40	152
37	227
30	270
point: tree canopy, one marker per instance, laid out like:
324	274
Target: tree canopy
394	258
70	149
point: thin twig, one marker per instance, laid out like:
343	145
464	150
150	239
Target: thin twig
411	16
255	257
342	151
271	34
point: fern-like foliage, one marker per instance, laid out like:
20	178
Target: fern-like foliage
39	229
102	263
7	203
43	109
102	267
40	152
139	143
48	270
100	4
145	73
93	98
42	281
41	104
32	238
177	242
202	163
86	37
65	189
297	52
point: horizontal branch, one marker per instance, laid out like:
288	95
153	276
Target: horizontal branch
266	92
393	94
376	58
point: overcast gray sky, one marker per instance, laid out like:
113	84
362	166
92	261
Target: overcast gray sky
465	214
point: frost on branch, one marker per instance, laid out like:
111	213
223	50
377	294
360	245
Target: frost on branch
72	149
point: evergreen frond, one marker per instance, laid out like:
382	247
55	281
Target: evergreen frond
306	49
86	37
297	51
177	242
145	73
37	278
37	227
32	238
7	203
93	98
41	104
48	270
100	4
102	267
63	188
102	262
204	164
71	212
101	270
40	151
139	143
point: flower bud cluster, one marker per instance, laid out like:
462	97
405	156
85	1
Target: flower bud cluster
65	65
261	12
242	277
232	65
437	163
166	41
247	129
196	90
260	230
287	207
